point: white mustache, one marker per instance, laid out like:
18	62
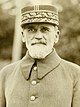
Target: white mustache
40	42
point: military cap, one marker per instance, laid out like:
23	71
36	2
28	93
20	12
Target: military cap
39	14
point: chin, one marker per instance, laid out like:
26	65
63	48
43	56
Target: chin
39	52
37	56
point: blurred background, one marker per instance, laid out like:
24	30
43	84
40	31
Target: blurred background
11	46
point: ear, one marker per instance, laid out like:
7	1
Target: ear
23	37
57	36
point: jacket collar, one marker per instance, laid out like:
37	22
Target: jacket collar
44	66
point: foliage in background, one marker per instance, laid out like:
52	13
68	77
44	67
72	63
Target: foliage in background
69	44
6	34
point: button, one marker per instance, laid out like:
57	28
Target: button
32	98
35	68
34	82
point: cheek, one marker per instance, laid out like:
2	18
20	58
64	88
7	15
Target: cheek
51	40
26	37
28	41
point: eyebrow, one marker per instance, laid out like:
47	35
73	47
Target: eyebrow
29	26
45	27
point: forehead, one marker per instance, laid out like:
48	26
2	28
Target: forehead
38	25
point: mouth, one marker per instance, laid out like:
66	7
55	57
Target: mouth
35	43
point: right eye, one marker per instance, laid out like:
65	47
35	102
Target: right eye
31	30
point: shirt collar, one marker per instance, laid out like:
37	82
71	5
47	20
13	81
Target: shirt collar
44	66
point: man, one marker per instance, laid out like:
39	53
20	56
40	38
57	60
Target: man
41	78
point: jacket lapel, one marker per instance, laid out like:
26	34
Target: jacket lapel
44	66
48	64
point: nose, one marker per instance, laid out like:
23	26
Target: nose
38	35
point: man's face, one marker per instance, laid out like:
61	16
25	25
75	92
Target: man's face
40	39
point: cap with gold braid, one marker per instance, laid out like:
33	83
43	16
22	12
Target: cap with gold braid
39	14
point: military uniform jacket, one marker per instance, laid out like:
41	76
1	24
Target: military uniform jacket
49	82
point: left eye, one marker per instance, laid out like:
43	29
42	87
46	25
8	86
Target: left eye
44	29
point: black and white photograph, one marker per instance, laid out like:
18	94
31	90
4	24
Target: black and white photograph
39	53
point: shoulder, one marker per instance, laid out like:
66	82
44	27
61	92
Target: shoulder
7	70
71	69
70	65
